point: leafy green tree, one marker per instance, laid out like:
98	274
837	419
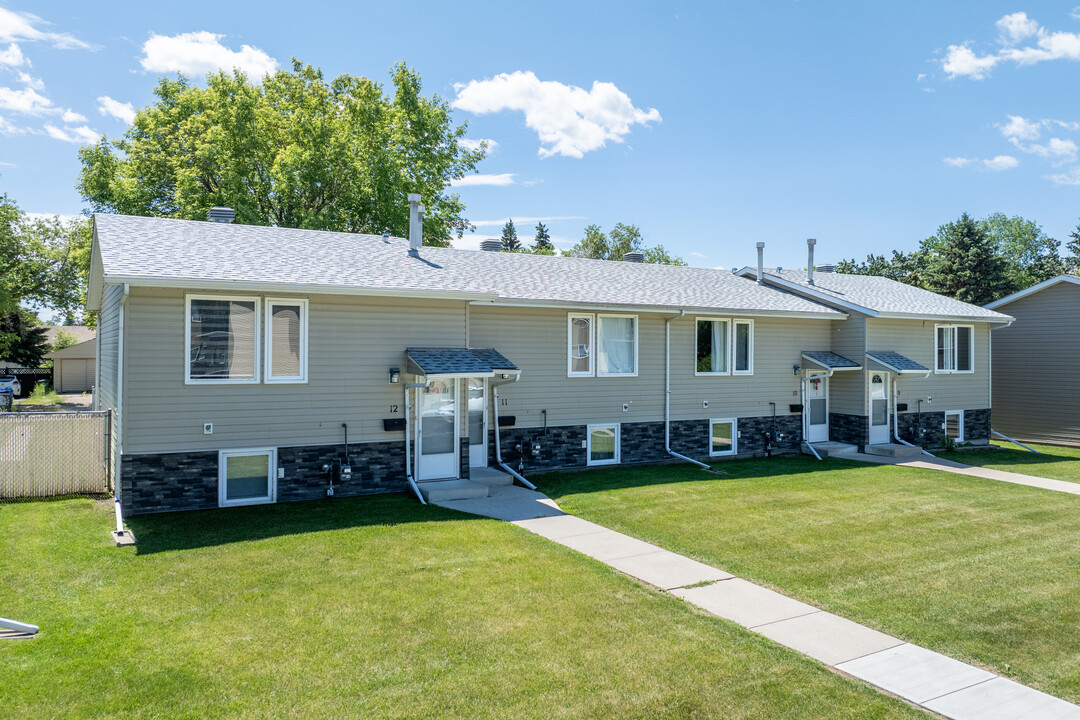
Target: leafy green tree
964	263
614	245
292	151
908	268
593	244
1030	255
543	239
1072	260
660	256
510	240
63	339
22	339
624	239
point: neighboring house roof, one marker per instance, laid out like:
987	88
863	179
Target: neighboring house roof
1073	279
86	350
431	361
830	360
876	296
895	361
82	333
196	254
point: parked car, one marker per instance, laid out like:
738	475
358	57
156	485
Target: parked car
11	383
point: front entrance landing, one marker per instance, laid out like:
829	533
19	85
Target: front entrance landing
479	485
925	678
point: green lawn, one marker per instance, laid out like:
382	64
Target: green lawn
373	607
1059	463
984	571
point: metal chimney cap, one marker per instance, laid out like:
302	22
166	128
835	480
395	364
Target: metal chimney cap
491	245
811	241
414	197
760	245
221	214
634	257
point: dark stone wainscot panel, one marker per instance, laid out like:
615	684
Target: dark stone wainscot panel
851	429
173	481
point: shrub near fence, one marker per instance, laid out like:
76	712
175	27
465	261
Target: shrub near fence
53	453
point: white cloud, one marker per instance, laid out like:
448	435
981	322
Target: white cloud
200	53
12	57
71	117
1020	129
500	180
470	144
958	161
24	26
30	81
920	77
8	128
125	112
27	100
1001	162
82	135
962	61
697	254
518	220
1016	27
1070	177
569	120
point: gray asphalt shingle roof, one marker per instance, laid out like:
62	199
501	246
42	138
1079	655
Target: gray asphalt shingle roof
895	361
205	253
830	360
883	295
453	361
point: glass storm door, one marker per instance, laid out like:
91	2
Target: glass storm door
477	397
817	409
879	409
436	440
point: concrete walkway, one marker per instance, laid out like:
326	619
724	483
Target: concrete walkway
938	463
920	676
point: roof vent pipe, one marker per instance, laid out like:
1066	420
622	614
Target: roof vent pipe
221	215
416	223
760	263
810	242
633	256
491	245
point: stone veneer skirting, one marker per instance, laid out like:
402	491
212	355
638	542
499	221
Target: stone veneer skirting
917	429
189	481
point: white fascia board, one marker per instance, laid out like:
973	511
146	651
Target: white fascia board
1033	289
192	284
1001	319
837	315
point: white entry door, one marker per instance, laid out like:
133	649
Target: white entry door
436	432
817	409
477	398
879	408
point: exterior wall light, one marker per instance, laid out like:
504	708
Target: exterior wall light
395	376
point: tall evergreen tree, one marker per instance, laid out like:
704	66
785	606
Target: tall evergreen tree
22	340
510	240
543	239
1072	260
964	263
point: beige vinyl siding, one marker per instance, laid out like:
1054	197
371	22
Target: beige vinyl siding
1036	386
778	345
847	388
914	339
535	339
352	343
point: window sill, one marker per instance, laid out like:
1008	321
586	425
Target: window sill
286	381
616	375
711	374
220	381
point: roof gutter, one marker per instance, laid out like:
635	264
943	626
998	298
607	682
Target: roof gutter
835	315
308	288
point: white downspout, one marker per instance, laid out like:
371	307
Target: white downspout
667	393
896	418
408	447
498	443
119	533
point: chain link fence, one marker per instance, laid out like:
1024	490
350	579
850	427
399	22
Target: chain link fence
54	453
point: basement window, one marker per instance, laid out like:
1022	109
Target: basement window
286	341
222	339
954	425
954	348
603	444
723	437
247	477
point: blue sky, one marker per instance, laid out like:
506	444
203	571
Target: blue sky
714	125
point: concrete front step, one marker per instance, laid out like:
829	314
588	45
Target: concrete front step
830	449
490	476
893	450
443	490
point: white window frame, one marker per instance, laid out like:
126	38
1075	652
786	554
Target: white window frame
734	436
955	348
268	355
731	346
271	486
255	379
570	345
959	425
637	334
749	350
588	443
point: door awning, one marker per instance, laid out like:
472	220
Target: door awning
458	362
830	360
895	362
